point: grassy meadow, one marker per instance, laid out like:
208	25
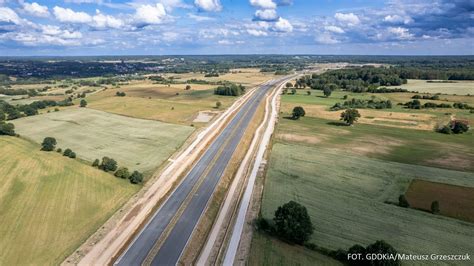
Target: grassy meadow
135	143
50	204
345	175
452	87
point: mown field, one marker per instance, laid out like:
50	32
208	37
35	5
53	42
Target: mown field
452	87
346	175
135	143
50	204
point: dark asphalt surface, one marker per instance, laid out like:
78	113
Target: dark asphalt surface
212	165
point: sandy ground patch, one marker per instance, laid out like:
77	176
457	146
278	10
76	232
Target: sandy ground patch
299	138
204	116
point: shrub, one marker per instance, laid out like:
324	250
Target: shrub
96	163
108	164
59	150
7	129
459	127
67	152
218	105
293	223
435	207
72	155
136	177
48	144
83	103
120	94
382	247
403	202
122	172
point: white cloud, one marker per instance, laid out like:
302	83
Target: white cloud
349	18
9	16
148	14
257	33
69	15
283	25
101	21
398	19
209	5
199	18
265	4
56	31
400	33
326	38
172	4
334	29
266	14
36	9
227	42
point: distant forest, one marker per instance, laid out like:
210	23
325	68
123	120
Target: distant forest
39	69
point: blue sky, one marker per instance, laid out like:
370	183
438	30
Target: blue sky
137	27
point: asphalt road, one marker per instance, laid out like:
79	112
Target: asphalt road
209	169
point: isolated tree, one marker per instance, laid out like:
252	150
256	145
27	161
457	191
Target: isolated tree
293	91
72	155
350	116
218	105
327	91
67	152
293	223
435	207
298	112
96	163
108	164
7	129
122	172
403	202
289	85
48	144
136	177
308	92
382	247
188	87
83	103
59	150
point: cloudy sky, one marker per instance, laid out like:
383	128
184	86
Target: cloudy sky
118	27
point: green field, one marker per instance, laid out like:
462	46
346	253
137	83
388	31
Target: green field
135	143
346	175
271	252
49	204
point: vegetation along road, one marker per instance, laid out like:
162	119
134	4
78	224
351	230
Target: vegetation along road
207	172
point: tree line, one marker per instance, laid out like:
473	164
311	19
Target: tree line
16	111
230	90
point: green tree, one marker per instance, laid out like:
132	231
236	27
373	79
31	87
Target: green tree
83	103
122	172
108	164
289	85
327	91
7	129
72	155
218	105
403	202
350	116
293	91
435	207
3	116
48	144
67	152
136	177
298	112
96	163
188	87
293	223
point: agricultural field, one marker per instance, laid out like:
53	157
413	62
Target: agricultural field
445	87
350	177
172	104
457	200
135	143
51	204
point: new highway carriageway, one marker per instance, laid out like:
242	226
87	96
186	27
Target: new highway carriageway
151	245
